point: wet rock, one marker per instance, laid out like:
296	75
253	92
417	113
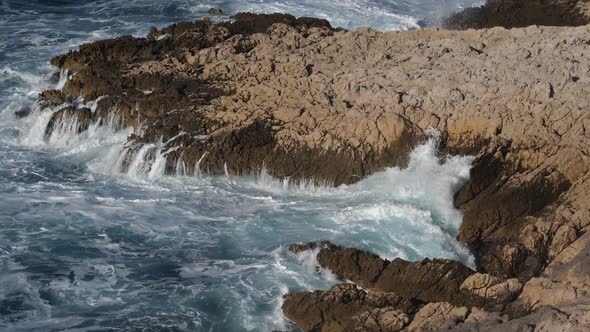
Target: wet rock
68	120
50	98
361	267
164	64
297	248
426	281
215	11
249	23
23	112
54	78
452	286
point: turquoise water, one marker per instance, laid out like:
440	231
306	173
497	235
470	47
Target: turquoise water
86	248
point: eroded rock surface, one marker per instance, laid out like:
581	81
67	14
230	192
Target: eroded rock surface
438	315
309	101
448	288
345	307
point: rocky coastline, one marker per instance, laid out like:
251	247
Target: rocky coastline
308	101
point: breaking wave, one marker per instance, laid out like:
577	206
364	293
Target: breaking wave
196	252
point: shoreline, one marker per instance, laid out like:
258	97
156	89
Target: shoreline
309	101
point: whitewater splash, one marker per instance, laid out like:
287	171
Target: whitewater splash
210	251
419	197
383	15
198	244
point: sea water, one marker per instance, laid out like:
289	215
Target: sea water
84	247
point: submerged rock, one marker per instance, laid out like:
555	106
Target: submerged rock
23	112
55	77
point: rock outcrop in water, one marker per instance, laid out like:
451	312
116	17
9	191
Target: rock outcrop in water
431	290
518	13
309	101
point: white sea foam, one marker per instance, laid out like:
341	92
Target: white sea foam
63	78
404	213
308	259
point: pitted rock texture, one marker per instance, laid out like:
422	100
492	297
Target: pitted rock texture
331	106
449	288
494	292
438	315
345	308
573	317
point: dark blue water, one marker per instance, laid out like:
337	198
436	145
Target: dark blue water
85	248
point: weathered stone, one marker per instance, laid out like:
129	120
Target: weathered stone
347	308
539	292
435	280
438	315
361	267
427	281
515	13
574	317
385	319
494	292
69	118
49	98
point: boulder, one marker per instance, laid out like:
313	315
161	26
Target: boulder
215	11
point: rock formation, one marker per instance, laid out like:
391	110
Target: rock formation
329	105
347	308
518	13
434	293
215	11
